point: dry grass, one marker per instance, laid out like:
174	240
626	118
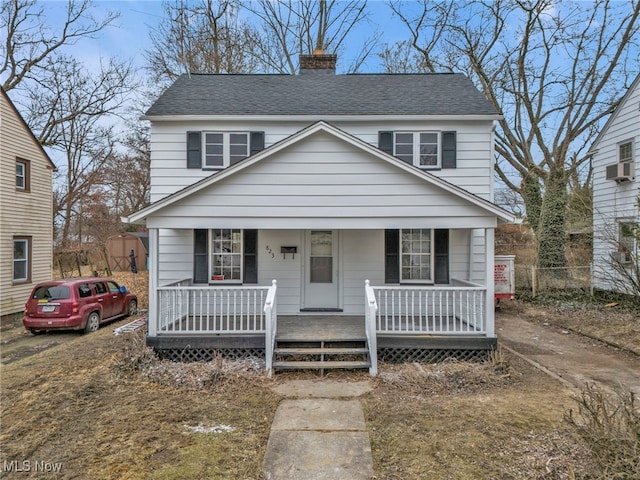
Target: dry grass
467	421
75	406
105	408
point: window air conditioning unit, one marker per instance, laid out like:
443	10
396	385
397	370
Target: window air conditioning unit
621	257
620	171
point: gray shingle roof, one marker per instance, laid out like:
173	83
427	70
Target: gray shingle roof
358	94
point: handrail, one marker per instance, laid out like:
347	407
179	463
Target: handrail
371	308
446	310
271	326
228	309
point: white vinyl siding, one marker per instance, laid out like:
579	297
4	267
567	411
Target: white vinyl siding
473	172
323	183
612	200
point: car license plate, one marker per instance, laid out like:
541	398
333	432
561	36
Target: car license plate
48	308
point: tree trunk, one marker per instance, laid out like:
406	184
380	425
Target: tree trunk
532	196
551	234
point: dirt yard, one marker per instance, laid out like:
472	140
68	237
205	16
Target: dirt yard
99	406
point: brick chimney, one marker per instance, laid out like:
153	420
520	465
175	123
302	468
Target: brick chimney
318	62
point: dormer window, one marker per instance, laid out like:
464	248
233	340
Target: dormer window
225	148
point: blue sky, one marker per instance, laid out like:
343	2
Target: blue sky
128	36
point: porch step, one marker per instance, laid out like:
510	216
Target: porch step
319	365
321	351
304	354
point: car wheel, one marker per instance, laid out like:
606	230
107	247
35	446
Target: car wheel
133	308
93	322
36	332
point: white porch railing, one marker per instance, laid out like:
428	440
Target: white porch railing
271	326
190	309
447	310
371	307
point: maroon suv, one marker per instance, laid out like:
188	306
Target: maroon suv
77	304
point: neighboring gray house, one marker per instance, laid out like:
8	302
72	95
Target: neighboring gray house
616	170
322	182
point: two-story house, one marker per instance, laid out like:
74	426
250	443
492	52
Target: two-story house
367	198
26	210
616	171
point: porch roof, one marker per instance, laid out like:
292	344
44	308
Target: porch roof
312	205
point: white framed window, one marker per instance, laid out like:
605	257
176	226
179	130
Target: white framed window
21	259
416	255
625	151
421	149
222	149
627	243
226	255
22	175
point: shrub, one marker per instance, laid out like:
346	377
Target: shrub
610	426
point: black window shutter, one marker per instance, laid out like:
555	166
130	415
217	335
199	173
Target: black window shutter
257	142
200	256
194	150
441	247
250	256
392	256
449	150
385	142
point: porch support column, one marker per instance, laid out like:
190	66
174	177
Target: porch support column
152	318
489	235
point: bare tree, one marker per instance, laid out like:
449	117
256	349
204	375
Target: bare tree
294	27
29	43
68	106
554	71
203	37
127	173
66	92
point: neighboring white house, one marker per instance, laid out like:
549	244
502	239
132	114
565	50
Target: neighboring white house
616	187
26	210
322	182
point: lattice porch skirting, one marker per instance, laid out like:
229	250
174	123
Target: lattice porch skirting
387	355
207	354
431	355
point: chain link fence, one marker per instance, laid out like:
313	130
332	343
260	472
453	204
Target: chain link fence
540	280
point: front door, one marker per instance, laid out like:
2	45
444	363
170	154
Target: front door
321	271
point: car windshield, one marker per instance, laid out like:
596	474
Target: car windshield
52	292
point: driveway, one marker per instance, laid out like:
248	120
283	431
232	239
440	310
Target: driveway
574	359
